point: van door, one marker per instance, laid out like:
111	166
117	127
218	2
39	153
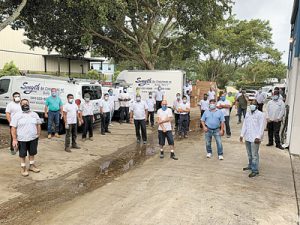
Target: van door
5	95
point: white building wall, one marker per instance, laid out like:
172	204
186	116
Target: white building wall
293	101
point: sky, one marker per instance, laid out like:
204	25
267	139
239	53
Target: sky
278	12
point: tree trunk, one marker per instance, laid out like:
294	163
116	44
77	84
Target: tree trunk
14	16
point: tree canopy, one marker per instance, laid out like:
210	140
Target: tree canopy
137	30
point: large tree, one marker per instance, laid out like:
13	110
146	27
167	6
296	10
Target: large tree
9	11
135	30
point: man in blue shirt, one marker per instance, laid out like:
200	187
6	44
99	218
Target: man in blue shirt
213	125
53	110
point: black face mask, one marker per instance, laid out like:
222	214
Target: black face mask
25	108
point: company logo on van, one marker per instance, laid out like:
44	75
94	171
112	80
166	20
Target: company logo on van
141	82
28	89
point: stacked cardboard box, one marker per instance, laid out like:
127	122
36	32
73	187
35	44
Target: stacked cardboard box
201	88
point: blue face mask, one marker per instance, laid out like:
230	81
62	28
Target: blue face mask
164	107
252	108
53	94
212	106
223	98
110	93
275	97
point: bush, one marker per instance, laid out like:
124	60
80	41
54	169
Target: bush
10	69
93	75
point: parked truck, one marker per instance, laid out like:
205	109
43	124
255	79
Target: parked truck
145	81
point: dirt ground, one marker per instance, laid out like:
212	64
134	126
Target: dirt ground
115	181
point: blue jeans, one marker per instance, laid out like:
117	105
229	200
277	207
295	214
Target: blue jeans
253	156
53	117
208	137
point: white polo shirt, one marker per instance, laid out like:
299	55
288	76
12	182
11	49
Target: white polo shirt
125	99
226	111
184	106
87	109
26	125
176	104
150	103
204	105
211	95
105	105
138	109
159	95
163	115
12	108
71	110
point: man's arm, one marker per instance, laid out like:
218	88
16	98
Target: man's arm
282	111
222	128
65	114
38	128
14	136
8	117
131	116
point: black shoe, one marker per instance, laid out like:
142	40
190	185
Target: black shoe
76	147
138	141
269	144
172	156
144	142
103	133
252	174
161	154
280	147
108	132
246	168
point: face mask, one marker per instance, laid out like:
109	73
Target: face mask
223	98
164	107
71	100
87	99
205	98
138	99
150	96
25	108
259	91
229	95
53	94
212	106
275	97
178	97
252	108
17	99
105	98
184	101
159	89
125	91
110	93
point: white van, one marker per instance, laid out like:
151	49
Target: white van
171	82
36	88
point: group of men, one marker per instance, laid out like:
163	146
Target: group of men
215	121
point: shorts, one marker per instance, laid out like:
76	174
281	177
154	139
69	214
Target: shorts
163	135
28	146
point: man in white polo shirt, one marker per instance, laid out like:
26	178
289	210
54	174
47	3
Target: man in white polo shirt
224	105
25	130
71	115
159	96
87	117
151	108
164	119
138	114
184	109
105	114
11	109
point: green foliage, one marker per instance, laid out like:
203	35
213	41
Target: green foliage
93	75
10	69
124	29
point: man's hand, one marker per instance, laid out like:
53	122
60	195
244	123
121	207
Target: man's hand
15	143
276	121
268	120
131	120
46	115
222	132
257	141
164	130
241	139
205	128
67	127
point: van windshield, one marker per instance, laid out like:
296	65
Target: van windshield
4	86
94	91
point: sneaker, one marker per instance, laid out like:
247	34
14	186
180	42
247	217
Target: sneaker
185	136
161	154
24	171
12	152
49	136
111	125
221	157
228	136
172	156
138	141
57	135
269	144
76	147
246	168
68	149
252	174
102	133
34	169
108	132
83	139
91	138
208	155
239	122
144	142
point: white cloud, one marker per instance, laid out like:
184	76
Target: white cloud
278	12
